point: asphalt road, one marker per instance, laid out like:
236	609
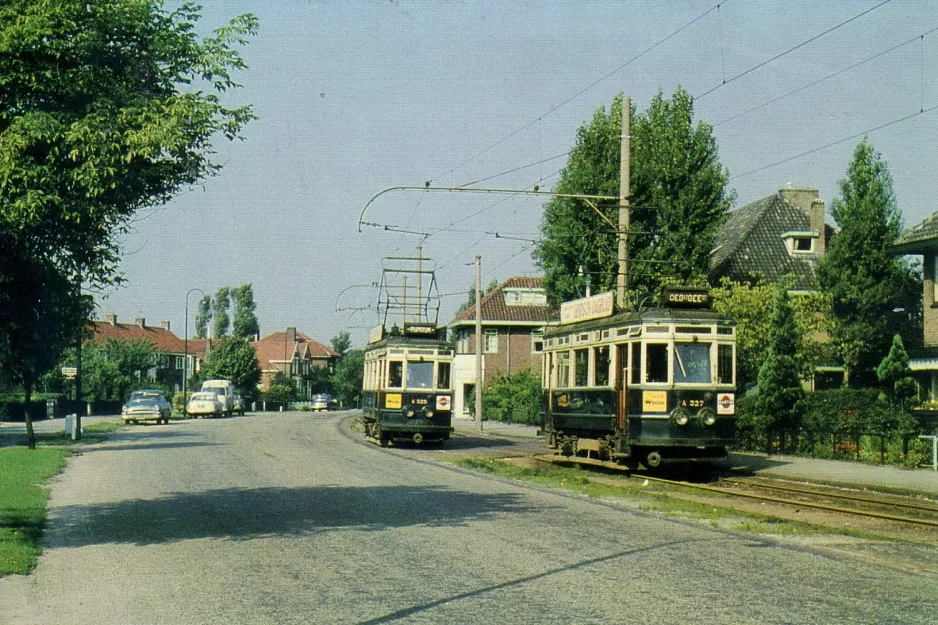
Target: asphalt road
280	518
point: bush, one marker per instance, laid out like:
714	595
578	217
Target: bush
514	398
857	410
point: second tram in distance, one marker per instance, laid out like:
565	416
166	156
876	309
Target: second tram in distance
641	385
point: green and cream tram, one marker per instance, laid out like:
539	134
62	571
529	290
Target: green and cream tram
640	386
407	387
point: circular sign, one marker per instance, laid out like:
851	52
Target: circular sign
725	401
442	402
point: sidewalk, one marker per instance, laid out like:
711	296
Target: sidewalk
497	428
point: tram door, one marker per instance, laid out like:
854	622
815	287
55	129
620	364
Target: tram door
622	385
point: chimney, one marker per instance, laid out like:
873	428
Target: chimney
165	324
800	197
140	322
111	318
291	335
817	224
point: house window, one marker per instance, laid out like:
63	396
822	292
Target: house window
180	362
462	343
803	244
934	278
537	341
490	346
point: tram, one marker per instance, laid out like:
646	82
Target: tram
407	388
641	386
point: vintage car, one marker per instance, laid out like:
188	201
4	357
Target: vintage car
323	401
205	404
237	403
146	405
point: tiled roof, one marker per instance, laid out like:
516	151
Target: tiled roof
161	339
494	307
275	346
923	237
750	245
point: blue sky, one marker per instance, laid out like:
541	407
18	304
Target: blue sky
354	97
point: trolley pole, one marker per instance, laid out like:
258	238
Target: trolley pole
622	279
478	407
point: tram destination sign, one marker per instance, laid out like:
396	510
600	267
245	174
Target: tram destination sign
594	307
687	298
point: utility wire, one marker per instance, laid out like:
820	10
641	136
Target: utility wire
792	49
585	89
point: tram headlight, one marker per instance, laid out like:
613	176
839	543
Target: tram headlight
707	416
428	412
680	416
409	411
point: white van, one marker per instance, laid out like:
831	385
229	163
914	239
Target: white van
224	389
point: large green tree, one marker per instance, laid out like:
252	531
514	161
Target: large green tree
245	324
111	370
341	343
221	321
234	359
875	294
678	191
347	378
779	383
106	108
203	317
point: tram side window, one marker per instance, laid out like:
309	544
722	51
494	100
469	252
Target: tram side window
725	367
563	369
656	369
601	364
442	375
692	363
636	363
419	374
395	374
581	360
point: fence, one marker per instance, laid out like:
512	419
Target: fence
873	447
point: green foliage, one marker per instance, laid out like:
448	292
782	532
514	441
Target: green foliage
875	294
341	343
779	388
347	378
203	317
895	376
111	370
102	113
678	189
234	359
245	320
471	295
23	512
854	410
514	398
281	390
319	380
751	306
220	318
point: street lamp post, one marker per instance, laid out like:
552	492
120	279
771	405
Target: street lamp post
185	357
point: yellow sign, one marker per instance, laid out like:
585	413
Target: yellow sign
655	401
392	400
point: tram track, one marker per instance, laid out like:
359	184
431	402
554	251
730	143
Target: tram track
928	514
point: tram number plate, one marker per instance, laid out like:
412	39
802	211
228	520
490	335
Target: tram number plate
693	403
420	402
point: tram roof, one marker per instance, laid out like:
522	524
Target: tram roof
409	341
645	316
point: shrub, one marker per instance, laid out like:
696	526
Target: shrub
514	398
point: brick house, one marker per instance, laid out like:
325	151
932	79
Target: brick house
169	347
513	317
294	354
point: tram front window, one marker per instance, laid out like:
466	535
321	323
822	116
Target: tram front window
419	374
395	374
692	363
657	363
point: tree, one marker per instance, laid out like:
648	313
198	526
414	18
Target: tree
102	114
203	317
220	306
282	389
347	378
341	343
245	324
234	359
678	191
471	297
779	384
41	312
875	294
111	370
895	376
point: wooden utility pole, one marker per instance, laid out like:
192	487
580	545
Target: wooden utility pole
622	279
478	406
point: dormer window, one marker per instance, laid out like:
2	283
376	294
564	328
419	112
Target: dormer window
525	297
799	243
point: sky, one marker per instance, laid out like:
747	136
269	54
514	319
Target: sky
355	97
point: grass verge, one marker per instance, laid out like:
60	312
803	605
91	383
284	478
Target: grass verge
23	507
650	497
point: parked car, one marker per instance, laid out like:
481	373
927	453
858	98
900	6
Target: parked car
147	405
205	404
224	389
323	401
237	403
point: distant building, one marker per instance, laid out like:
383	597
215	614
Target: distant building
294	354
513	318
169	347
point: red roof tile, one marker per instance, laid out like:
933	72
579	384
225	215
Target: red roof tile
161	339
275	347
494	307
